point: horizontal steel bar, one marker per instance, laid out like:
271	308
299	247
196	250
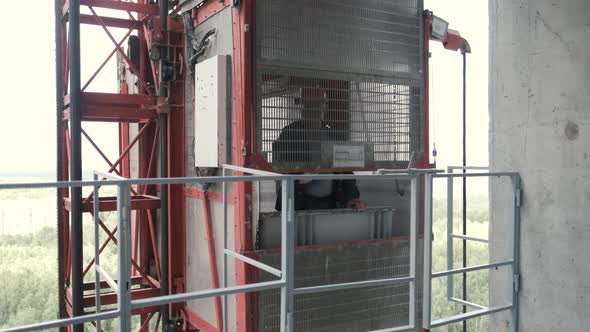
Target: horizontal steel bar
467	303
469	315
254	263
111	176
407	328
404	176
471	269
65	322
59	184
248	170
179	180
469	238
107	278
406	171
474	175
475	168
209	179
163	300
351	285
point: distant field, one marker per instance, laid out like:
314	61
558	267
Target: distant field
26	210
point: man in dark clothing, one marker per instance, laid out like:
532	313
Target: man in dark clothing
301	142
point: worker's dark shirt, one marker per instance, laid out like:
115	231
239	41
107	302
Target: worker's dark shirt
296	144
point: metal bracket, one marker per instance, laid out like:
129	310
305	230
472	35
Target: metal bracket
518	197
516	278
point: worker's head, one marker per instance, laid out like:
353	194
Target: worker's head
314	104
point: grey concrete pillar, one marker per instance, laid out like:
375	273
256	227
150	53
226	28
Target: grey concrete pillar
540	126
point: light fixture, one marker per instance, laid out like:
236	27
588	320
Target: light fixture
439	27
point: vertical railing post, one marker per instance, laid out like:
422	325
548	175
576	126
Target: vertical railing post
287	255
516	250
413	247
284	255
97	288
224	299
426	296
450	220
124	236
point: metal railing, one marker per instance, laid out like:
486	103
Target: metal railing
451	236
513	262
286	282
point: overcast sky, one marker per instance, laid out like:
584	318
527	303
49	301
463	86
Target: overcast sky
27	134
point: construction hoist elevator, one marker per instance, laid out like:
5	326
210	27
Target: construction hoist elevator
284	86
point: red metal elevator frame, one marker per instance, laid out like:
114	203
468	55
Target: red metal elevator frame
244	151
124	108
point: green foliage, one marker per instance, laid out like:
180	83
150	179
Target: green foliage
477	253
28	276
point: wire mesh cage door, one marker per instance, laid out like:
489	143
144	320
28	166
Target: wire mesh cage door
338	83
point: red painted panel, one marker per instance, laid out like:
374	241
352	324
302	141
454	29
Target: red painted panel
241	148
424	160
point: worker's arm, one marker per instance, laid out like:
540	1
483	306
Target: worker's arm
347	194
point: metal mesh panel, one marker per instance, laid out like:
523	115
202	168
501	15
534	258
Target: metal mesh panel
371	36
300	115
347	310
333	72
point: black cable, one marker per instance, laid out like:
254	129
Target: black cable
464	183
200	50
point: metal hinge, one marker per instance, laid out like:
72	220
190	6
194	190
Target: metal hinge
516	283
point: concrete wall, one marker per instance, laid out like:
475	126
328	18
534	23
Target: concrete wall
540	126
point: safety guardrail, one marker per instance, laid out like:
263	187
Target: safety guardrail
286	282
513	262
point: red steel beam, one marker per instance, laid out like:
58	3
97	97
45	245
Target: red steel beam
140	78
100	152
99	69
113	99
176	168
241	149
103	284
67	224
151	172
110	22
111	237
123	154
145	326
125	164
111	298
108	107
424	160
212	261
138	202
124	6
